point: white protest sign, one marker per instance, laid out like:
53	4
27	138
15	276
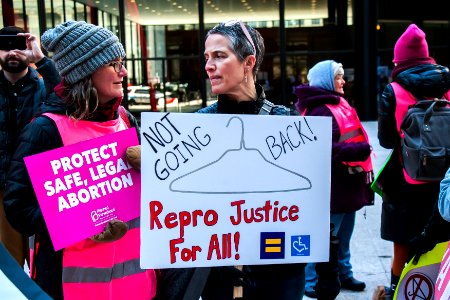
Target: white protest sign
234	189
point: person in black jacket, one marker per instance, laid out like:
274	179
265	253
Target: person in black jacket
21	94
407	204
89	95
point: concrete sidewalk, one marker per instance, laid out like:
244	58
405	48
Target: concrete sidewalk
371	256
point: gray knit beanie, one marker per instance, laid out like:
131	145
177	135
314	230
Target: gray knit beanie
81	48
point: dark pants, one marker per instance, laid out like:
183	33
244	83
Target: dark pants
277	282
263	282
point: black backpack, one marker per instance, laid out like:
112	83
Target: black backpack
426	142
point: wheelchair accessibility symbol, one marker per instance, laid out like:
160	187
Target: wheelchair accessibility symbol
300	245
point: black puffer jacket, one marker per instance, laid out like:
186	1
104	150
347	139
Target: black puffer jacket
406	207
424	82
21	206
14	116
225	106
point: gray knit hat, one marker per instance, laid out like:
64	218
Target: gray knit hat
81	48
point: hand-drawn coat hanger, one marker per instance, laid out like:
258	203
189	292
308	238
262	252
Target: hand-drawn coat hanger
245	181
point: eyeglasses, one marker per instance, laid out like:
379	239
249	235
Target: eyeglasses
244	29
118	65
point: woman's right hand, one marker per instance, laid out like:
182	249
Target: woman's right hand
134	157
114	230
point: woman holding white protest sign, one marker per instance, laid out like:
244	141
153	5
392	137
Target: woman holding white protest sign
85	105
233	54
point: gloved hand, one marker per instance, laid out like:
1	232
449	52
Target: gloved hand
114	230
134	157
420	244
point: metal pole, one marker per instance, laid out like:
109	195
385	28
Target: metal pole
42	18
365	89
283	99
201	47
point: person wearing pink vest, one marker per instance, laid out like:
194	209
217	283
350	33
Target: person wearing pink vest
85	105
408	204
351	166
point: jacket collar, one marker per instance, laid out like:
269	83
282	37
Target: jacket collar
31	75
227	105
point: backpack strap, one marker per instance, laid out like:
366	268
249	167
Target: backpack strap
197	283
266	108
123	114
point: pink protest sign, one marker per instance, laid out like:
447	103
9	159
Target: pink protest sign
442	288
82	186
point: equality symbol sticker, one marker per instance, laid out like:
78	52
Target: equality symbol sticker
272	245
300	245
419	286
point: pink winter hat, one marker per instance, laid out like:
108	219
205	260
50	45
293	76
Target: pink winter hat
411	45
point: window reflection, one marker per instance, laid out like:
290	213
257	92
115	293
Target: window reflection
32	17
19	18
80	13
162	35
68	7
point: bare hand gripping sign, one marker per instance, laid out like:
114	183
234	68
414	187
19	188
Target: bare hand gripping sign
234	189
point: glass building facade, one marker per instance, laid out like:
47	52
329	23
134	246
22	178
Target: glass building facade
164	40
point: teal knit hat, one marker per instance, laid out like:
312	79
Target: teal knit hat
80	48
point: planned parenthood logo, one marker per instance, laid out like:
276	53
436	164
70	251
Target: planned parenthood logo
102	215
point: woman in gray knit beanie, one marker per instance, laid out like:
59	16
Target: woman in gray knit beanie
85	105
85	56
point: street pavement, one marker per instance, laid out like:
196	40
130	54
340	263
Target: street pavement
371	256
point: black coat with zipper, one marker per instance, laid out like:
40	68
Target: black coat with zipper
406	208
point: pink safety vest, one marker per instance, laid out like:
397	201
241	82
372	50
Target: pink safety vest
404	99
351	130
109	270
